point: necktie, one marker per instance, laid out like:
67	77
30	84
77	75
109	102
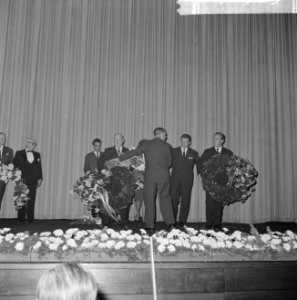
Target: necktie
184	153
119	152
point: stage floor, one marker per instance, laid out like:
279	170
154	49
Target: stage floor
50	225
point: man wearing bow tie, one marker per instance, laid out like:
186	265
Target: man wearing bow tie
6	158
94	161
214	209
29	162
111	153
182	177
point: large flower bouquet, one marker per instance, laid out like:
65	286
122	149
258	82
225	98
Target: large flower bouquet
138	168
120	186
126	177
229	179
91	191
21	191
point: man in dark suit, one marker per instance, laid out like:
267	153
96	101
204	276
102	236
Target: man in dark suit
158	159
117	150
6	158
182	177
111	153
94	161
29	162
214	209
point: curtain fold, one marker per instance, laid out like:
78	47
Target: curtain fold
73	70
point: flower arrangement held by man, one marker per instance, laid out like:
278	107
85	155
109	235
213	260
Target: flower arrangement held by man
226	179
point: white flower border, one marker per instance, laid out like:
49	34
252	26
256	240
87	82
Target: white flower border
204	242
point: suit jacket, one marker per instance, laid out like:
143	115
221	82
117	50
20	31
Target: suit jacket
7	156
92	163
111	153
182	168
31	172
210	152
220	178
158	159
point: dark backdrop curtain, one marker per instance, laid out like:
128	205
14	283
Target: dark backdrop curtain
72	70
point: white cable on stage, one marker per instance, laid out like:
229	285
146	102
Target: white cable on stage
153	269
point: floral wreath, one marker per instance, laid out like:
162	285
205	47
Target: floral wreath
229	179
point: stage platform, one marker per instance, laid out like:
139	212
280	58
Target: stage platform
177	277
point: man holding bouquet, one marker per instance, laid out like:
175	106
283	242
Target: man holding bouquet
214	208
6	158
109	154
158	159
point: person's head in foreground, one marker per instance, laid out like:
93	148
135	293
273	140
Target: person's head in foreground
160	133
67	281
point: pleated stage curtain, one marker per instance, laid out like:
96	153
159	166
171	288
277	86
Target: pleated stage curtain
73	70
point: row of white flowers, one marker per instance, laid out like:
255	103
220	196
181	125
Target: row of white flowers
203	242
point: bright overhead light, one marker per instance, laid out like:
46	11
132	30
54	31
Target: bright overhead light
196	7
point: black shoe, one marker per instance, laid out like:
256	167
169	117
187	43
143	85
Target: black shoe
171	226
125	227
149	231
207	227
218	228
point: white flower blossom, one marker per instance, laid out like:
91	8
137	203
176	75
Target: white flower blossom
104	237
275	241
19	246
287	246
161	248
131	245
58	232
45	233
119	245
71	243
9	237
53	247
171	248
237	244
37	245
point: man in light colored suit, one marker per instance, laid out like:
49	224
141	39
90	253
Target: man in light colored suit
6	158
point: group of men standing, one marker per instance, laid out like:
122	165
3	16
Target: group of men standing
29	162
173	188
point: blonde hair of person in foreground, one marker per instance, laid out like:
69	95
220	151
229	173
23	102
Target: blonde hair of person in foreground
67	281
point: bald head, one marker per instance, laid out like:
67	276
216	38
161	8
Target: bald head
118	140
30	144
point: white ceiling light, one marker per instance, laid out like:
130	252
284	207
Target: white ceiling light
196	7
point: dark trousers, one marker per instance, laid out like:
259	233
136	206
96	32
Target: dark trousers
150	190
181	196
2	191
30	206
125	215
214	212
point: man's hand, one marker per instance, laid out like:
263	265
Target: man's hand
106	173
39	182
